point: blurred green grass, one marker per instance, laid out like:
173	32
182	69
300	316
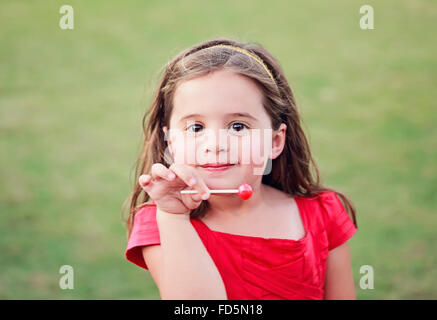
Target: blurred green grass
71	103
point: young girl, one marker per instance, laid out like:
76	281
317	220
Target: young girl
288	240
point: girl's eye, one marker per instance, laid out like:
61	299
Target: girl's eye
238	126
194	128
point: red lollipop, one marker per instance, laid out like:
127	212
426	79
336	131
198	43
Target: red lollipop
244	191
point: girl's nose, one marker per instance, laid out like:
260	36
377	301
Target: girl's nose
216	141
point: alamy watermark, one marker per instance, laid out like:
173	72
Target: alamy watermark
67	20
366	21
367	280
67	280
253	147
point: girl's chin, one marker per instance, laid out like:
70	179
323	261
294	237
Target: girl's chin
214	182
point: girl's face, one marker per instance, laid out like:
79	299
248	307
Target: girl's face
219	119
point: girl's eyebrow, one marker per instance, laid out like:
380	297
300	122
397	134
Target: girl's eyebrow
234	114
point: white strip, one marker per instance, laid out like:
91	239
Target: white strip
212	191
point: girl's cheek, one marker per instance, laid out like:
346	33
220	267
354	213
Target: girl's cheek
260	149
178	147
248	149
186	151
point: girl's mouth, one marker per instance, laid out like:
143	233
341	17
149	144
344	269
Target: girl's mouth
217	167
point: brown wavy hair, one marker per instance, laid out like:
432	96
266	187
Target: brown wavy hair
294	171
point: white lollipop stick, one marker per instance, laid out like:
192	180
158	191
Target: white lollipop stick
212	191
244	191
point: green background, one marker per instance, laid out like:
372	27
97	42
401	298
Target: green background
72	101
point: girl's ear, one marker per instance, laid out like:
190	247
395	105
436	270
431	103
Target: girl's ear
278	140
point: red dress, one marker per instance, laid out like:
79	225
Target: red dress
254	268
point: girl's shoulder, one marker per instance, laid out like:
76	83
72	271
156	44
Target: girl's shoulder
321	208
326	214
326	200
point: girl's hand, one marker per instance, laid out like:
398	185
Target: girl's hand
164	184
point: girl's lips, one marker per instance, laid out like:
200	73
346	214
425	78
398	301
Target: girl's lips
217	167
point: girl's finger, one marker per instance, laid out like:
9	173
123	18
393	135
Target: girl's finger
146	183
196	197
144	180
191	178
192	201
161	171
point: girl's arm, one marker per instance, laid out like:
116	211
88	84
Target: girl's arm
339	282
181	266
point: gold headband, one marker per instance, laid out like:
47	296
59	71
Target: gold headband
250	54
